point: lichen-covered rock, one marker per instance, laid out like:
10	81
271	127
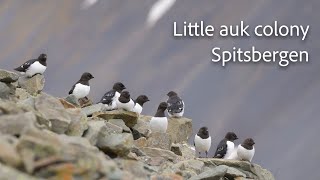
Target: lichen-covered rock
159	140
8	154
8	76
141	142
72	100
120	123
89	110
7	91
7	173
79	122
118	144
33	85
129	118
22	94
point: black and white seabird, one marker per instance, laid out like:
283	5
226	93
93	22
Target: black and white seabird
139	103
244	151
175	105
202	141
33	66
109	98
159	123
82	88
226	146
124	101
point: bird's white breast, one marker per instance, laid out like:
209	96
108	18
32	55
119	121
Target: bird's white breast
159	124
81	91
202	144
230	149
35	68
137	108
126	106
113	103
245	154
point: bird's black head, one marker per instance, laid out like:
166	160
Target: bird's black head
142	99
249	142
86	76
163	106
125	94
204	131
172	93
231	136
42	57
118	86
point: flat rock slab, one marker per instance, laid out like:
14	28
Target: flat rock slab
129	118
8	76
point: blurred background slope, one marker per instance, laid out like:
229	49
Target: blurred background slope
279	108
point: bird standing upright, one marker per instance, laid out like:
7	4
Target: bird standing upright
202	141
175	105
159	123
124	101
226	146
139	102
81	88
33	66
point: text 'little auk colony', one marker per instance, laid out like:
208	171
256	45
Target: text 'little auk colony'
159	123
175	105
109	98
124	101
226	146
139	103
81	88
244	152
33	66
202	141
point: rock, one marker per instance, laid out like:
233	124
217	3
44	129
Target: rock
8	76
66	104
184	150
84	102
134	167
79	123
119	144
216	173
187	168
8	154
95	130
22	94
6	90
7	173
89	110
141	142
16	124
167	177
33	85
53	110
120	123
180	129
156	152
159	140
73	100
250	171
142	125
9	107
129	118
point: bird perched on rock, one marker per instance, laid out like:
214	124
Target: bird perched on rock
81	88
202	141
175	105
109	98
139	103
124	101
226	146
159	123
244	151
33	66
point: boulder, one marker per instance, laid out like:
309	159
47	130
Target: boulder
33	85
72	100
217	173
141	142
22	94
94	131
120	123
134	167
16	124
159	140
67	104
52	109
89	110
7	173
8	154
116	144
79	122
142	125
161	153
184	150
129	118
6	91
8	76
180	129
84	102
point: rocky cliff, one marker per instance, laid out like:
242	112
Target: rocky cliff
44	137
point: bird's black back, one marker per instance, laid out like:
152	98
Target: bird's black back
221	149
175	104
108	97
25	65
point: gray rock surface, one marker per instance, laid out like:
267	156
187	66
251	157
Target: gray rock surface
33	85
8	76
